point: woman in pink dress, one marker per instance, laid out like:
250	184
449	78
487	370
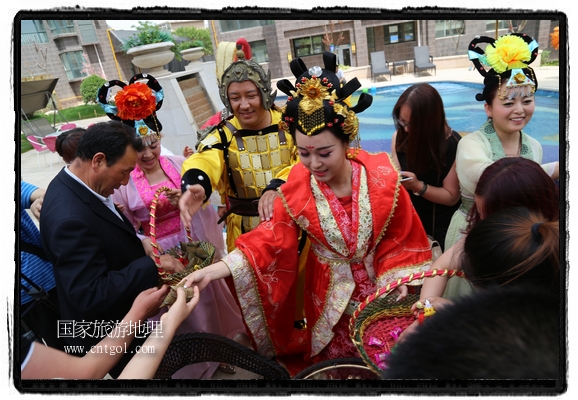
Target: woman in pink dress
217	311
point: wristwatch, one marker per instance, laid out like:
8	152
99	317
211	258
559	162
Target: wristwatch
422	190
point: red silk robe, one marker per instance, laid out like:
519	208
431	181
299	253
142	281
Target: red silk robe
383	240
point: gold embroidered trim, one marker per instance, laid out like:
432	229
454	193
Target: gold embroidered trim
246	287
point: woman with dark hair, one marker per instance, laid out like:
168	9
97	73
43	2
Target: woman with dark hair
508	93
67	142
515	182
424	148
364	232
509	182
525	249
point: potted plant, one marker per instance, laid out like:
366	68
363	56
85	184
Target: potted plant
151	48
191	51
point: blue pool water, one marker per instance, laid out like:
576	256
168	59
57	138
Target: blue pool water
463	113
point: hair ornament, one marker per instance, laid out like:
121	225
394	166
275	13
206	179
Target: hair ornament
316	100
135	105
508	57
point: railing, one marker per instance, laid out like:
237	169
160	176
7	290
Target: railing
32	38
62	30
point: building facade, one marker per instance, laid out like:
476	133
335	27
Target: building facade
276	42
69	50
74	49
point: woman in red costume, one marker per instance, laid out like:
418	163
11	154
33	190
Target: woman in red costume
363	229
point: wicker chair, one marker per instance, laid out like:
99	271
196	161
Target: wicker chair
192	348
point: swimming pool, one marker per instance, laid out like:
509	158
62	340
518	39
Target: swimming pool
463	113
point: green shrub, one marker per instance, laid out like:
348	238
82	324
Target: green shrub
196	34
147	33
187	45
89	87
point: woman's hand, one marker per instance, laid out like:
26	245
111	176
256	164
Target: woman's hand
436	302
199	279
173	196
204	276
402	291
181	309
266	204
191	200
412	184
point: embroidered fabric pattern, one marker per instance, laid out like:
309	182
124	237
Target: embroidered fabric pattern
344	271
497	149
249	300
166	224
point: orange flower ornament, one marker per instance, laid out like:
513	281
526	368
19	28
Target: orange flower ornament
135	102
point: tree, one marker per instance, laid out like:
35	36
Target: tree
88	69
89	87
195	35
516	28
328	36
457	31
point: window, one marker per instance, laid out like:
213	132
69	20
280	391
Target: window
259	51
307	46
446	28
73	64
398	33
370	38
87	32
60	27
236	24
503	24
33	31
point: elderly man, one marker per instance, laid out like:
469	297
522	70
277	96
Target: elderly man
100	264
244	155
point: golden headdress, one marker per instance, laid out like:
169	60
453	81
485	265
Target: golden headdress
244	69
316	102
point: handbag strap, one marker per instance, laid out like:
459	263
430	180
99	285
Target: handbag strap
33	249
37	293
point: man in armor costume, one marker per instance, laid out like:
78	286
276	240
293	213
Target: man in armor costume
242	157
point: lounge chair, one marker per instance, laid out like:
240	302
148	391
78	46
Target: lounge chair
37	127
422	60
378	65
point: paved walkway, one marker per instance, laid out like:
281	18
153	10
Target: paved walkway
37	170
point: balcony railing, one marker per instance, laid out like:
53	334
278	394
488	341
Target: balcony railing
31	38
62	30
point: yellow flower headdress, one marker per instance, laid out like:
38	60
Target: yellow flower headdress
507	57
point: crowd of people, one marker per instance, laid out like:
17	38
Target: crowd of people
314	225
